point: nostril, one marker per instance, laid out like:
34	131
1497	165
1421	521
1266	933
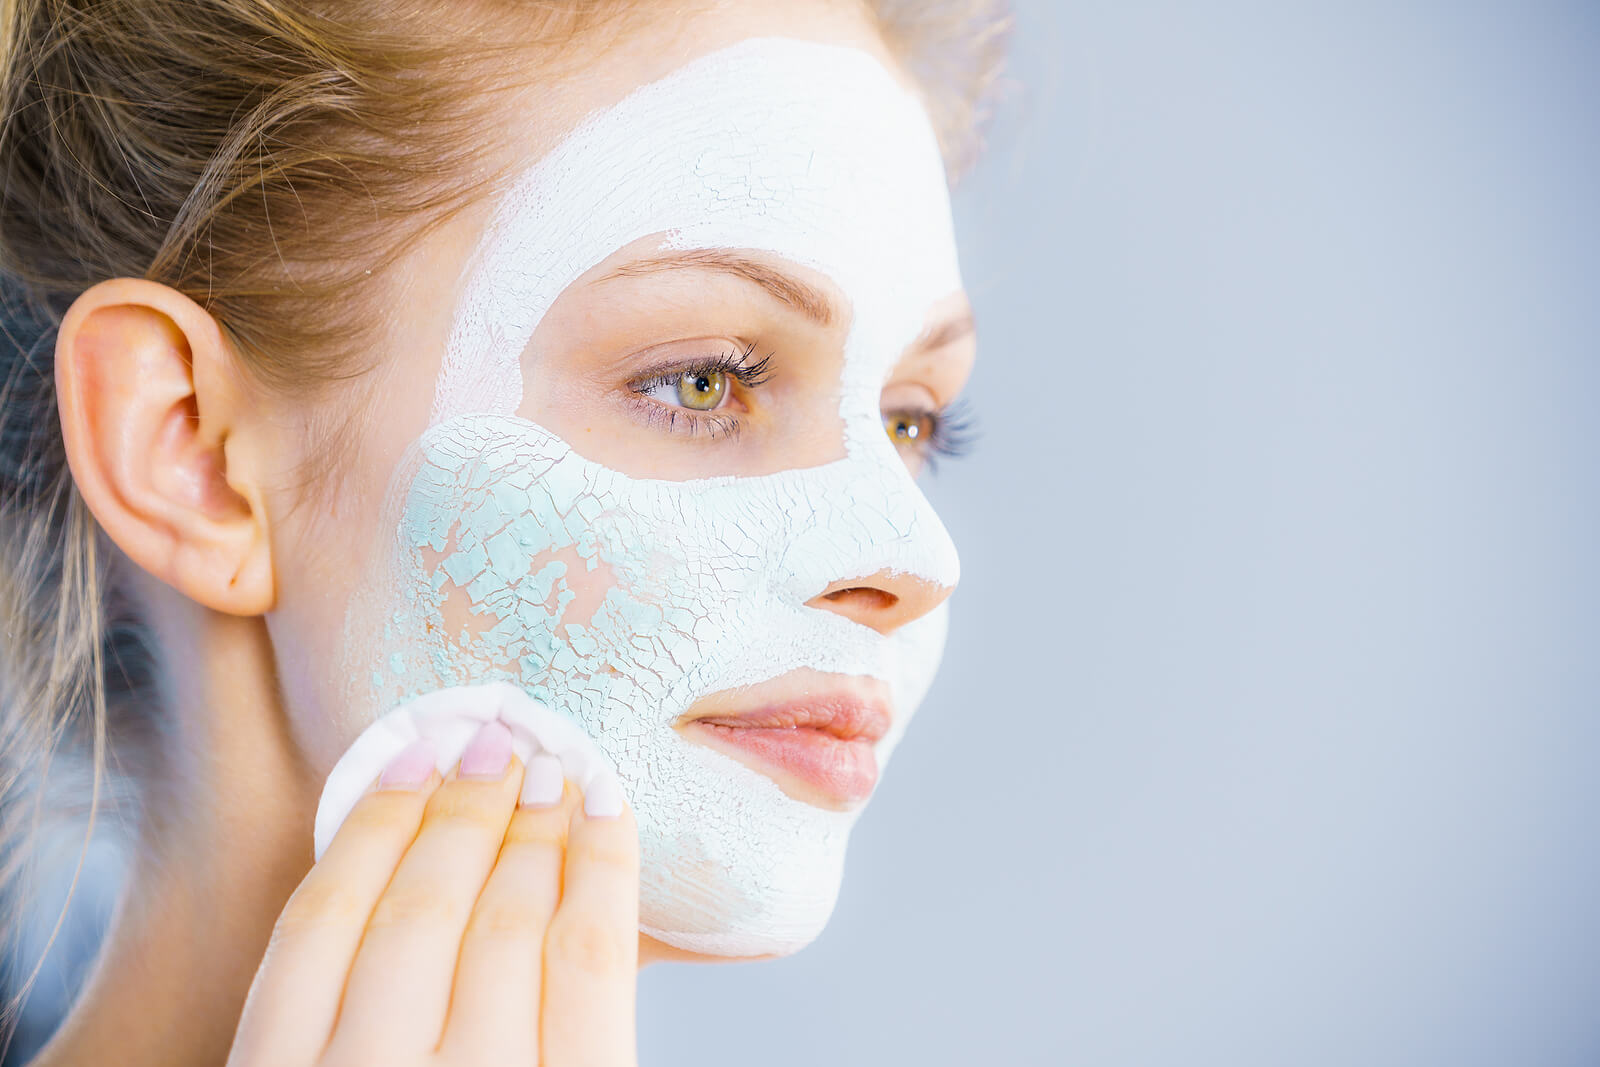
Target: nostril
865	597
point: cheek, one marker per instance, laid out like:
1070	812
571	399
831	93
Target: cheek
509	565
479	604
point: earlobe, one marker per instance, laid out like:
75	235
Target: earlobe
148	406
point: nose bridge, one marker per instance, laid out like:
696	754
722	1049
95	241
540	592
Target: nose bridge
875	549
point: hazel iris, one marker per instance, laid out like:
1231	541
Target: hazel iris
909	430
702	391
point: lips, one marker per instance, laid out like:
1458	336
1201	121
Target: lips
821	748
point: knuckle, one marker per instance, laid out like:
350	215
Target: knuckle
472	808
348	1049
499	921
313	907
535	832
585	943
413	906
381	811
611	855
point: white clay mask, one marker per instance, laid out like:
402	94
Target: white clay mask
619	602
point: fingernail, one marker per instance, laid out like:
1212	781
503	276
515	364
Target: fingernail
488	754
542	781
603	799
411	768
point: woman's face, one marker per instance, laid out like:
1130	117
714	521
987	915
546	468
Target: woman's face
646	446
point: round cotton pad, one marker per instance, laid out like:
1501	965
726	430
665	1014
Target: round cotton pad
449	718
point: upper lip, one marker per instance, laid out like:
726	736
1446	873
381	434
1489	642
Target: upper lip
844	717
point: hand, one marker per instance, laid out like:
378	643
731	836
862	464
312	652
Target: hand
446	924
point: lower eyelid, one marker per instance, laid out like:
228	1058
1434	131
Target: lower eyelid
686	421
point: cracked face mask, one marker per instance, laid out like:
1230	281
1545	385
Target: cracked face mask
620	602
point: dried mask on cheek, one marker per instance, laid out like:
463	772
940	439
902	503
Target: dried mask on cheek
621	601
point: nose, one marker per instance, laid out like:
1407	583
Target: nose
884	601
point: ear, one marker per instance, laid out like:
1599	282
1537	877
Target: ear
149	396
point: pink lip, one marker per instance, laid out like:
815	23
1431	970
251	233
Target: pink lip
827	744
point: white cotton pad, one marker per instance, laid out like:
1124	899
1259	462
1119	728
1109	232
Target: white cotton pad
450	718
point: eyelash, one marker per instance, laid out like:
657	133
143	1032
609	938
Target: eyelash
735	364
952	434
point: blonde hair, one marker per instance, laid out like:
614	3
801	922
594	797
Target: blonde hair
255	155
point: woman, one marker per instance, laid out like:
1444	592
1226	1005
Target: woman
589	349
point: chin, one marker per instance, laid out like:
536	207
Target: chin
739	872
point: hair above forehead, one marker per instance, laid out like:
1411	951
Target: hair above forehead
262	157
955	49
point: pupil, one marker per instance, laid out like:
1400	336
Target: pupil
703	384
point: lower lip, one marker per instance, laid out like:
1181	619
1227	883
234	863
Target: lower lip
844	771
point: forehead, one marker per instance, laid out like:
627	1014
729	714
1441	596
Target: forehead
811	152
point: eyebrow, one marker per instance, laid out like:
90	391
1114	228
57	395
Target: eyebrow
808	300
946	333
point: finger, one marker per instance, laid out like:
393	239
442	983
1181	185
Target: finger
289	1013
494	1009
591	951
399	989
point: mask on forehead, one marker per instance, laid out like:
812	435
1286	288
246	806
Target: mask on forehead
621	601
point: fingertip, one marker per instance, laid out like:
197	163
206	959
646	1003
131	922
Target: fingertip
603	799
411	769
542	781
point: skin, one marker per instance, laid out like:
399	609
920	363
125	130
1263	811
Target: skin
196	475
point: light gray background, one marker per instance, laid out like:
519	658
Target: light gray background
1269	727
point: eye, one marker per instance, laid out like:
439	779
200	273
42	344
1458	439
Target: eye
911	429
922	435
697	390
